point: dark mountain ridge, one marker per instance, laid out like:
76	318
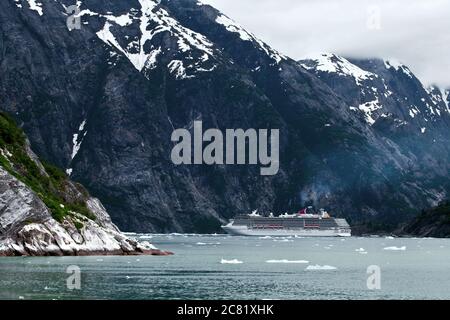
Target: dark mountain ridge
102	102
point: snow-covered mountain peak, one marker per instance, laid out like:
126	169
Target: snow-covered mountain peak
381	89
398	66
144	40
234	27
331	63
151	33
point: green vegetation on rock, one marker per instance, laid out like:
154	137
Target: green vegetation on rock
434	222
49	183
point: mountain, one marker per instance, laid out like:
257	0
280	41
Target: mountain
383	89
44	213
434	222
102	102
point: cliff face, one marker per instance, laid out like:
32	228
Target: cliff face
43	213
434	222
102	102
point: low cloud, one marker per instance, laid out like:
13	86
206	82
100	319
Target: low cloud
416	32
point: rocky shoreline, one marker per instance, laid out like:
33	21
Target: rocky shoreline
27	228
44	213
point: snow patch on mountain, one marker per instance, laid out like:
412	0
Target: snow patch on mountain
331	63
18	4
76	141
446	98
234	27
413	112
177	68
35	6
153	20
398	66
369	108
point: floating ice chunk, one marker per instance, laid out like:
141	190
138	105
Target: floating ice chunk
287	261
395	248
360	250
234	261
266	237
283	240
390	238
208	243
319	267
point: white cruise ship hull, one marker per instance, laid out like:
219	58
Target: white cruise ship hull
245	231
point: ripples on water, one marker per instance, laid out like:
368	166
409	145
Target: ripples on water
206	267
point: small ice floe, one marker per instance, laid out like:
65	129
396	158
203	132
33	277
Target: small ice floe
208	243
146	237
283	240
21	298
319	267
266	237
288	261
128	277
234	261
99	260
390	238
395	248
327	248
361	250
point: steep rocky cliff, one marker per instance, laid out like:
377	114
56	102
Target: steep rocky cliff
434	222
44	213
102	101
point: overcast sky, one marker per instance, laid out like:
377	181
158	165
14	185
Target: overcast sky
415	32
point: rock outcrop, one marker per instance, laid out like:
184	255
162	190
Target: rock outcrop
434	223
29	226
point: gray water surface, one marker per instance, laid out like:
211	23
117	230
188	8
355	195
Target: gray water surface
196	271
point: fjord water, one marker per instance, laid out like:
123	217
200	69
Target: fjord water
203	268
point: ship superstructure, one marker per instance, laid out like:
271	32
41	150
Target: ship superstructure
300	224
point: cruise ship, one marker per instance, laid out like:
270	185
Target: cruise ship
302	224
